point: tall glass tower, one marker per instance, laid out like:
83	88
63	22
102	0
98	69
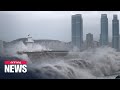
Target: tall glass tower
115	32
77	31
104	30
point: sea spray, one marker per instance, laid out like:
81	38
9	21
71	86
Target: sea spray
94	63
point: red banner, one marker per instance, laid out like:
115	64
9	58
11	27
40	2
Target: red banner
15	62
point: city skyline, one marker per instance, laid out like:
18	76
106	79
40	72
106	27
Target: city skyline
77	33
51	24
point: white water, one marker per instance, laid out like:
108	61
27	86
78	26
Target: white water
11	50
90	64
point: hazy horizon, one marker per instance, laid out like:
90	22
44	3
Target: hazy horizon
55	25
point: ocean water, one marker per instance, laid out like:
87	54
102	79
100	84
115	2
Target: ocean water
98	63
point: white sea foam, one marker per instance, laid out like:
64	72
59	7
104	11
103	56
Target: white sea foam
94	63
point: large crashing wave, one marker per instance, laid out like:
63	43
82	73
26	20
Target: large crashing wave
89	64
12	49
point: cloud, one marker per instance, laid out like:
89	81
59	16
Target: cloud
49	24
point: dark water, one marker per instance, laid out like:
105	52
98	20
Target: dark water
62	69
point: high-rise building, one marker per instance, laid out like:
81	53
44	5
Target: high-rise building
89	40
115	32
77	31
104	30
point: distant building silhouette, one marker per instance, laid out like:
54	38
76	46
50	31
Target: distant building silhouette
104	30
96	44
89	40
115	32
77	31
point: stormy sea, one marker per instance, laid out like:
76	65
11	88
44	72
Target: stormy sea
97	63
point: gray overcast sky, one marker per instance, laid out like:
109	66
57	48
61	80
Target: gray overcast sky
49	24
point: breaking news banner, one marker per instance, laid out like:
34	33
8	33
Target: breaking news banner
12	67
59	45
15	66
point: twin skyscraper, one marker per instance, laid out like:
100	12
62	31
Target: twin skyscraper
77	31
